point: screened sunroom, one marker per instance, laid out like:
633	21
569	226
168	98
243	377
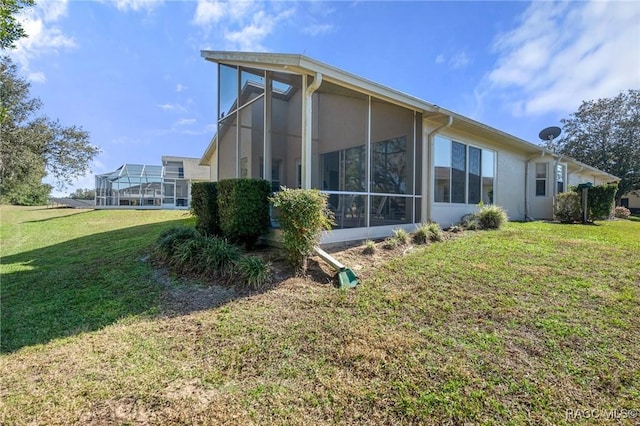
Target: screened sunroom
137	185
359	149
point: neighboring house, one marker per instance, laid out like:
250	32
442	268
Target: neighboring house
151	186
386	159
631	201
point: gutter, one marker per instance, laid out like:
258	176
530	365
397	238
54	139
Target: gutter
427	156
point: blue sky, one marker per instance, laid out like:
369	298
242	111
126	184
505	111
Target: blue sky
130	72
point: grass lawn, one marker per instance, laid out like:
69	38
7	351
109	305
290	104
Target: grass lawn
515	326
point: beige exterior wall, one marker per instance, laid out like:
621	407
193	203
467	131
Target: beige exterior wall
192	168
634	200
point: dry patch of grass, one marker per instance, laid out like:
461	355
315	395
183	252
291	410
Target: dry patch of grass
502	327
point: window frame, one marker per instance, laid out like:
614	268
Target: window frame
467	147
543	180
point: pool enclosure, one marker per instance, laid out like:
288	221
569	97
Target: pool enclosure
143	186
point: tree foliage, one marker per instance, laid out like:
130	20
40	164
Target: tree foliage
10	29
83	194
606	134
33	146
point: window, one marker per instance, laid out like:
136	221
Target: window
458	172
463	174
474	175
541	179
442	163
560	169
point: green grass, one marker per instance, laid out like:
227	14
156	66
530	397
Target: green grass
69	271
514	326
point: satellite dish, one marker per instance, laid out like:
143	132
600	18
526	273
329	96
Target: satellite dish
550	133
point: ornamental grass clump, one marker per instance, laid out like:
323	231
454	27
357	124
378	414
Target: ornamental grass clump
369	247
426	232
253	272
303	215
170	239
491	216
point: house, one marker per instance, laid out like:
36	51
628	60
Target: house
631	200
151	186
385	158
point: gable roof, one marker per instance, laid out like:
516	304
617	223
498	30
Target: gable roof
300	64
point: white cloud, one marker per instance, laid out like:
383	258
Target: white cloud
209	12
185	122
317	29
180	87
172	107
37	77
564	53
243	25
455	61
43	36
137	5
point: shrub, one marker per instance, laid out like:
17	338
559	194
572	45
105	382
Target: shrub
302	214
491	216
204	206
218	257
621	212
369	247
567	207
253	272
427	232
171	238
469	221
186	254
600	201
243	208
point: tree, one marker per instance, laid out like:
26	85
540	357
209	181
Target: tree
33	146
83	194
10	29
606	134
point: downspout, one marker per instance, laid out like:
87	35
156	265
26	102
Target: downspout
427	156
307	119
526	185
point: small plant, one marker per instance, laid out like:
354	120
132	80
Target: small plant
369	247
219	257
253	272
186	254
427	232
469	222
456	229
491	217
171	238
390	243
401	236
622	212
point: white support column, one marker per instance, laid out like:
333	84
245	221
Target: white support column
427	191
266	154
307	126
